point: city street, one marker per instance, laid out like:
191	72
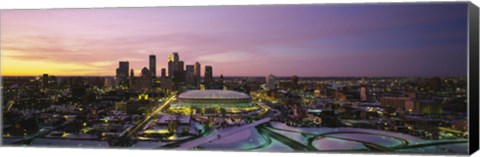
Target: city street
161	107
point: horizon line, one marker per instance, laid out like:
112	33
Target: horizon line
245	76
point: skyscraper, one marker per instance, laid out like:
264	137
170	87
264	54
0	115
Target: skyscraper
122	73
153	67
208	74
173	60
190	79
179	74
146	78
123	69
132	79
171	68
173	57
197	72
176	69
180	65
173	63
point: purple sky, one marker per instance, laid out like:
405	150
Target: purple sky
427	39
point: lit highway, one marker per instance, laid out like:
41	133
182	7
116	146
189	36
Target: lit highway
139	125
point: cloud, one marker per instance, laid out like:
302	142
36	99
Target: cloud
244	40
227	57
102	63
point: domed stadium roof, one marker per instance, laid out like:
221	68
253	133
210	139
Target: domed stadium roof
213	95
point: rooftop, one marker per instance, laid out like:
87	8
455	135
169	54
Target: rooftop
213	94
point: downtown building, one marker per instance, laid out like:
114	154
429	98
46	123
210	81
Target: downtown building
410	104
197	73
208	74
190	77
270	82
153	69
176	69
122	74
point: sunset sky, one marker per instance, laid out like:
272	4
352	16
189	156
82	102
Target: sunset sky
427	39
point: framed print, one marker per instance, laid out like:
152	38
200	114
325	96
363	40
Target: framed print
396	78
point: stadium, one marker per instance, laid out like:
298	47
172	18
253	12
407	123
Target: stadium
216	100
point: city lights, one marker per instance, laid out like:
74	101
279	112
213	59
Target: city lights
264	78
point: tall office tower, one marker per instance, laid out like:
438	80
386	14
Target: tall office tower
176	69
181	65
131	79
173	64
122	73
124	67
176	56
179	75
146	78
171	68
208	74
153	66
173	57
270	81
153	69
196	72
190	79
164	73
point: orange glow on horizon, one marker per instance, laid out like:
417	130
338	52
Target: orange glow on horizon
11	66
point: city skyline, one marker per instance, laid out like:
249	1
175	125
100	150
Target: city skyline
377	78
268	39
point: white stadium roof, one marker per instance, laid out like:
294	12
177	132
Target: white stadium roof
213	94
